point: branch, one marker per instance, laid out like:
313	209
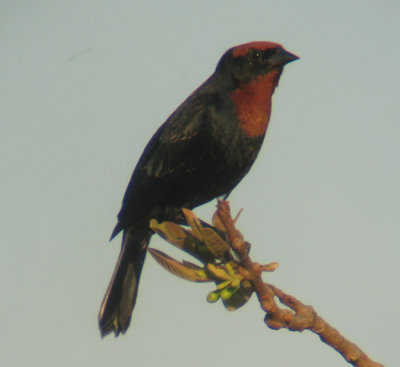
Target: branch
299	316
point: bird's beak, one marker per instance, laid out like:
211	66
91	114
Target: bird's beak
282	57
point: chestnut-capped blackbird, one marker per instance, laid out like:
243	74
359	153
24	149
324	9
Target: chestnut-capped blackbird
201	152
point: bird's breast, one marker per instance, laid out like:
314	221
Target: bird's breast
252	102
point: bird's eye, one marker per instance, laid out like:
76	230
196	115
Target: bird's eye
257	55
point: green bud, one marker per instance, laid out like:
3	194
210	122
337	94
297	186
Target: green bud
229	269
213	296
223	284
202	274
236	283
228	292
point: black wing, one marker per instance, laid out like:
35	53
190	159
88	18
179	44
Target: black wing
169	159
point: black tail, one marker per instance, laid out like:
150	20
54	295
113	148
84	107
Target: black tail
119	300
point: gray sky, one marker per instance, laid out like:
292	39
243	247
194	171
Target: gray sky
83	86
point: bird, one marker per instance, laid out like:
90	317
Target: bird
201	152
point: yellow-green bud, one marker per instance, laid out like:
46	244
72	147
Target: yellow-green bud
213	297
228	292
223	284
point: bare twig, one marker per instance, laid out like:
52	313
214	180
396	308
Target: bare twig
299	316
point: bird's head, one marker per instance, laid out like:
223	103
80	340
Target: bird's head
254	59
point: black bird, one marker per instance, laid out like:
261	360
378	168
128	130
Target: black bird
201	152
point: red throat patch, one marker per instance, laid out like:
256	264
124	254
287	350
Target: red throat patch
252	103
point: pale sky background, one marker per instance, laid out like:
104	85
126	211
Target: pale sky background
83	86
